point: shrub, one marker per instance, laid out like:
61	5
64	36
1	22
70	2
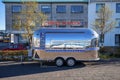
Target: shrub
13	54
110	52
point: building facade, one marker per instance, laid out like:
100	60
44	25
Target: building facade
56	10
111	38
84	11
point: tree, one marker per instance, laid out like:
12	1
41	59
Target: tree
29	18
104	23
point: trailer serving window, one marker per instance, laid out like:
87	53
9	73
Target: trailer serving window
67	41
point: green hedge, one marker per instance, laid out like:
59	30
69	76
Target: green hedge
13	54
109	52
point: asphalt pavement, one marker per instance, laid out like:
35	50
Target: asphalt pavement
101	70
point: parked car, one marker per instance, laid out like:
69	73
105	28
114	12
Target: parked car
15	47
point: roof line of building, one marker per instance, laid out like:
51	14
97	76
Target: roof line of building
5	1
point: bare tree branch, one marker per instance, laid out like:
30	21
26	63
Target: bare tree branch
104	23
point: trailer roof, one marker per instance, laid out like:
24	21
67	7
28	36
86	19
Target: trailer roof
87	30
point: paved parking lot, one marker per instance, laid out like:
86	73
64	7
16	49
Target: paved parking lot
102	70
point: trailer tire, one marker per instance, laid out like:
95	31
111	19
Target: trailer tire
71	62
59	62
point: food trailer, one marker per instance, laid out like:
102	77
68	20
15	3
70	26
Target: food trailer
65	45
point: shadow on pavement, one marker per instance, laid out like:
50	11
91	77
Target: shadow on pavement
104	62
17	69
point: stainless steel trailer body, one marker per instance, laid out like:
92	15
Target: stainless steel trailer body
65	45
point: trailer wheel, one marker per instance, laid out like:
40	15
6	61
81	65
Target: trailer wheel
59	62
70	62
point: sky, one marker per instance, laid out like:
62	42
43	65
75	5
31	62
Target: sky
2	16
62	40
65	36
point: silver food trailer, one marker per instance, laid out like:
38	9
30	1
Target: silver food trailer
65	45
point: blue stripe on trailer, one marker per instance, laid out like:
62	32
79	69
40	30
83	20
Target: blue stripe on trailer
60	50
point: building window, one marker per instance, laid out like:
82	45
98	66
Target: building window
30	9
22	38
1	36
117	7
77	23
16	8
76	9
99	6
99	21
117	39
101	40
45	8
118	22
16	23
62	26
61	9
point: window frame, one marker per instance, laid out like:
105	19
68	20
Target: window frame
81	9
16	21
100	38
100	5
19	8
46	11
117	22
117	43
117	8
59	7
